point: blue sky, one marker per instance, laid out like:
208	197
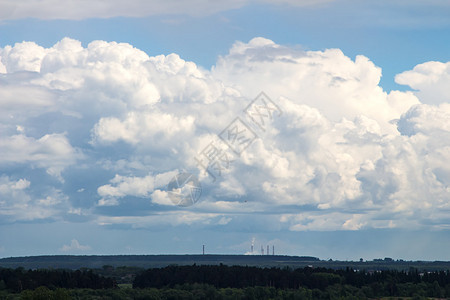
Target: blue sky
93	130
394	35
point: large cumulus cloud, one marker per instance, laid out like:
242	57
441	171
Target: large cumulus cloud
102	129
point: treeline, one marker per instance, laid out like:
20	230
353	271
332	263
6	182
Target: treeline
223	276
17	280
205	292
222	282
316	280
184	292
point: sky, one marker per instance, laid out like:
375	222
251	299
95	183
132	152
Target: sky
319	127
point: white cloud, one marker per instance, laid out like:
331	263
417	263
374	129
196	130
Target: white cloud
7	186
25	56
430	79
326	80
429	120
75	246
171	218
161	197
122	186
140	126
52	152
19	203
109	112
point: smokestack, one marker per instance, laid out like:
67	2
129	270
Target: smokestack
262	250
203	249
267	253
273	249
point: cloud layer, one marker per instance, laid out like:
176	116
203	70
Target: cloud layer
95	134
70	9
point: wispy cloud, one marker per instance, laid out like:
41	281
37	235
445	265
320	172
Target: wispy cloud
70	9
